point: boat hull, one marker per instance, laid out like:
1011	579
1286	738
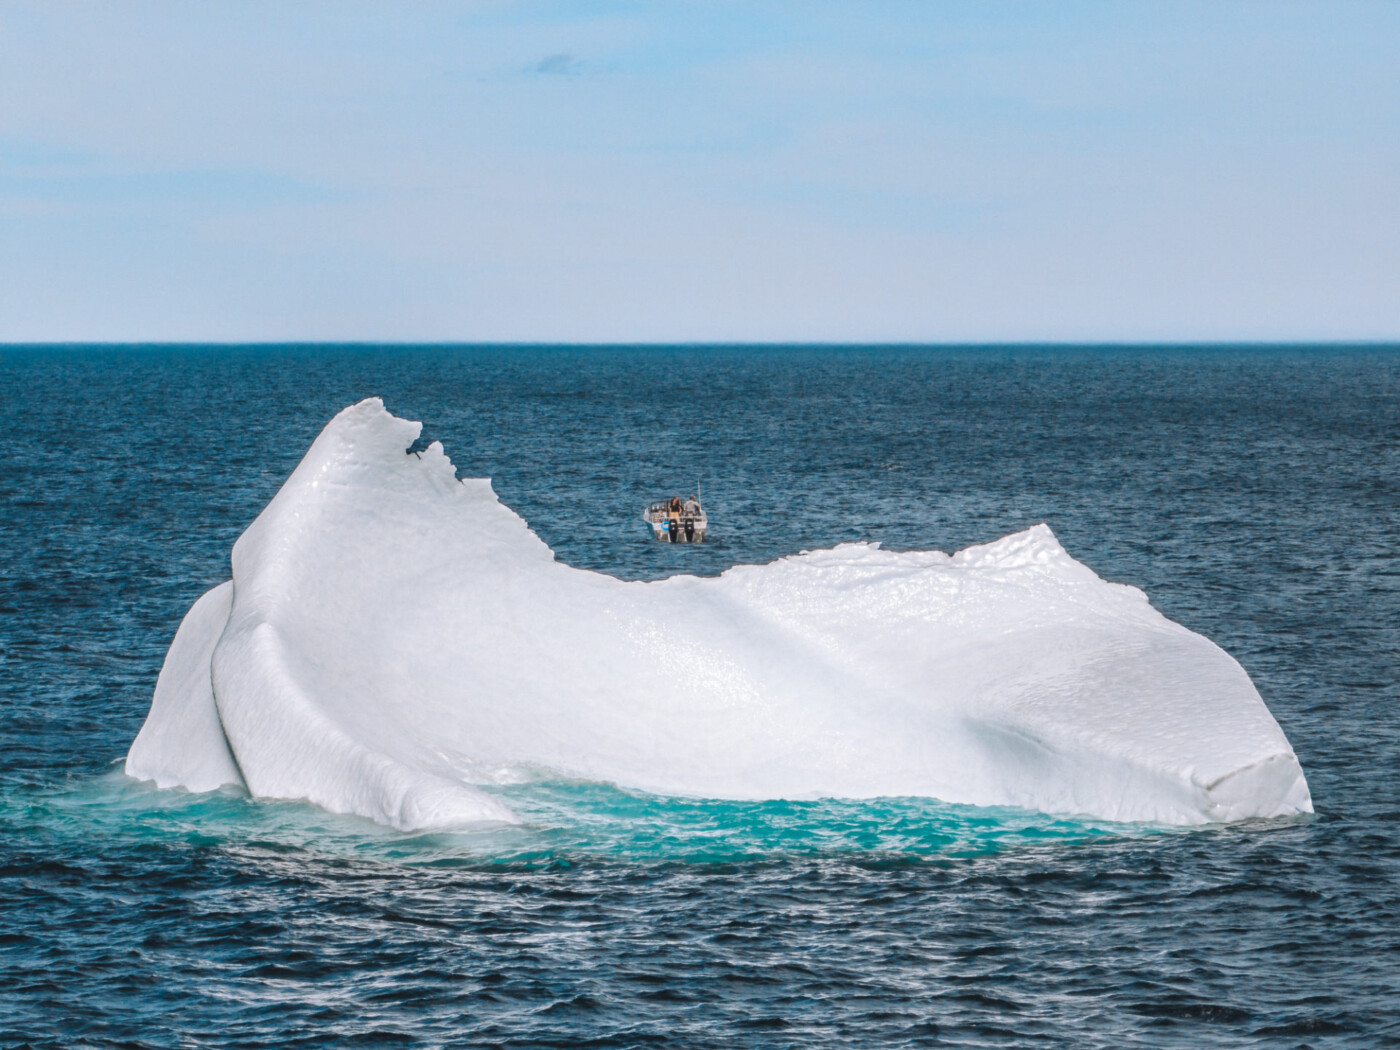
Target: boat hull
677	532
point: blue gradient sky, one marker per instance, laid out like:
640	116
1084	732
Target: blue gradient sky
699	171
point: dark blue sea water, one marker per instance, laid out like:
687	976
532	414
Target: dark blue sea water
1253	492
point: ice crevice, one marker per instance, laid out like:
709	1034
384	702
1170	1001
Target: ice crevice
393	640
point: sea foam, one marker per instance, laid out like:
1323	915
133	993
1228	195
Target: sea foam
394	639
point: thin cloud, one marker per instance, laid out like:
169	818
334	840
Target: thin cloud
562	64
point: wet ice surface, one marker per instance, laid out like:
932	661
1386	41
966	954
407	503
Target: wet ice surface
1250	494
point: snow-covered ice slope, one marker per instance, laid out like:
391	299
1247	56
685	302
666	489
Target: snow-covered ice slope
393	637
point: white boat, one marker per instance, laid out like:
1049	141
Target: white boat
677	520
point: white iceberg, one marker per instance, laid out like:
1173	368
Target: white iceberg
394	638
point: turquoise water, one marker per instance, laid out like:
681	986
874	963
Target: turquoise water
1252	492
563	823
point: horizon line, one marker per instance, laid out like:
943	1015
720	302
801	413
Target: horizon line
705	344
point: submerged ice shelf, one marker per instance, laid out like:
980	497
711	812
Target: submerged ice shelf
393	638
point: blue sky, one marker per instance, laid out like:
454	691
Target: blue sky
699	171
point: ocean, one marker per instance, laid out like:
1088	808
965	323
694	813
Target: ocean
1252	491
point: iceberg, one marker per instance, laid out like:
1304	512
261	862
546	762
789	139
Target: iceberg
394	640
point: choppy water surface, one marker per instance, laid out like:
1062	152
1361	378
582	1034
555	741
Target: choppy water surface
1252	492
